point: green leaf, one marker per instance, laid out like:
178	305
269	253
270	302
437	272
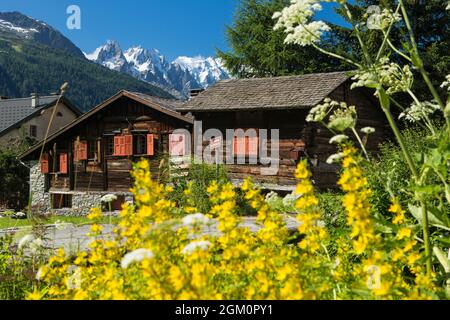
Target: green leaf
443	259
417	213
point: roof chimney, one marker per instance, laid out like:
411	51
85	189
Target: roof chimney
34	100
196	92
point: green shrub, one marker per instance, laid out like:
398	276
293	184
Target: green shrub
18	269
200	177
389	171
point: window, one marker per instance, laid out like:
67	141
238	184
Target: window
92	153
33	131
62	201
110	146
141	144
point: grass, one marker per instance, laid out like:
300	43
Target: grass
6	223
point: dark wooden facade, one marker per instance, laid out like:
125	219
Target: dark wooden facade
298	139
96	166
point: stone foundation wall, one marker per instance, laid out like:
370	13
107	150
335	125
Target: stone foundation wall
82	202
40	199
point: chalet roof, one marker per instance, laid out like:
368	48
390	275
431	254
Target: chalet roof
289	92
15	111
165	106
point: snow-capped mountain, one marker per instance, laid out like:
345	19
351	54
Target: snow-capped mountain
19	26
181	75
111	56
206	71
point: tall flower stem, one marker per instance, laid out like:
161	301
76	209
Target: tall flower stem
412	167
418	63
363	147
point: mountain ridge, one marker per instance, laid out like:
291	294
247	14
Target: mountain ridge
34	57
181	75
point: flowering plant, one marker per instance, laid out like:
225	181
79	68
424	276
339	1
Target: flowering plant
429	187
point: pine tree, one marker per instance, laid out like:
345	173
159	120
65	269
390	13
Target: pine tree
259	51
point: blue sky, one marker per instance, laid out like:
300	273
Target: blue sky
175	27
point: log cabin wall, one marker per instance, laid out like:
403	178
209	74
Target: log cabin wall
103	170
298	139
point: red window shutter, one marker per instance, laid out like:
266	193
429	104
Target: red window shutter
240	146
80	151
44	163
63	163
117	149
176	145
128	144
83	155
150	145
252	146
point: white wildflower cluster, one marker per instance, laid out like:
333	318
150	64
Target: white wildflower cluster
195	219
338	139
30	242
448	6
388	74
290	200
295	20
335	158
285	205
196	245
381	19
364	78
368	130
136	256
343	118
446	83
320	112
418	112
396	78
109	198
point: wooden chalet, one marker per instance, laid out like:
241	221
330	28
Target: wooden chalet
93	155
283	103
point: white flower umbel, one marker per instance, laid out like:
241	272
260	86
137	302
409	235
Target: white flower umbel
194	219
418	112
136	256
36	245
109	198
448	6
340	138
25	241
446	83
382	19
295	20
335	158
196	245
368	130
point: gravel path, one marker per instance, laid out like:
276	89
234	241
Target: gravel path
74	238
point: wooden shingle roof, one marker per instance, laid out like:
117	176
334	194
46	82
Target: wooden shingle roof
290	92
